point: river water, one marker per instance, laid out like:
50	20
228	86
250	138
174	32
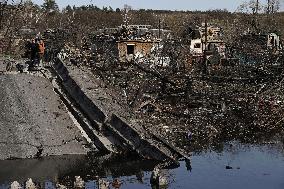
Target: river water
234	166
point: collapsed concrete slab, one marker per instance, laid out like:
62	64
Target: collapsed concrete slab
100	105
33	120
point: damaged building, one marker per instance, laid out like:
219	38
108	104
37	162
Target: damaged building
127	43
144	44
130	49
207	39
251	47
273	41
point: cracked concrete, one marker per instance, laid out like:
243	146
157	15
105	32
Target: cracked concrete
32	117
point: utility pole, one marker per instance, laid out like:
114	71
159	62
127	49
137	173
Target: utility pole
1	15
159	28
255	17
204	70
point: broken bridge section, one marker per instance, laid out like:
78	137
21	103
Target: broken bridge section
33	120
109	115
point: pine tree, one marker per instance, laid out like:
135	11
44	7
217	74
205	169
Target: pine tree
68	8
50	5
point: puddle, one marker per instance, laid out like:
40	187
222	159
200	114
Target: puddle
235	166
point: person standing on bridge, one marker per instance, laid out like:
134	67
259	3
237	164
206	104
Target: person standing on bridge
41	50
34	52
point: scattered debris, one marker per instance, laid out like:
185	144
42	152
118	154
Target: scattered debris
116	184
15	185
180	92
103	184
79	183
159	178
60	186
30	184
229	167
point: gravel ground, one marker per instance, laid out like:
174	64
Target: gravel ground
34	121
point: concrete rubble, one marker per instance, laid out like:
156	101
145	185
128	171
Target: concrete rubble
30	184
79	183
15	185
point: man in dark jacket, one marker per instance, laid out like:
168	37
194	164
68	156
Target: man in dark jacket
34	52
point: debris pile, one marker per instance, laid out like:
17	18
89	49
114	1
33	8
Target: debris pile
241	102
175	92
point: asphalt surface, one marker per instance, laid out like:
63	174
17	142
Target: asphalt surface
33	120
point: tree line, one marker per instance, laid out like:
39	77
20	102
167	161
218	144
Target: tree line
84	20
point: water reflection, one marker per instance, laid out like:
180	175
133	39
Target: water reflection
236	166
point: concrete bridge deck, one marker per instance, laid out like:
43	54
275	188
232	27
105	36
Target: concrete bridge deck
33	120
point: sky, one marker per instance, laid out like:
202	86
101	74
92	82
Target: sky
230	5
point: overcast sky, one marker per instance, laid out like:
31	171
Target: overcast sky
231	5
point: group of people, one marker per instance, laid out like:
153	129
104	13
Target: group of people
36	49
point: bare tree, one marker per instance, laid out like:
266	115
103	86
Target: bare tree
125	14
252	6
3	4
272	6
